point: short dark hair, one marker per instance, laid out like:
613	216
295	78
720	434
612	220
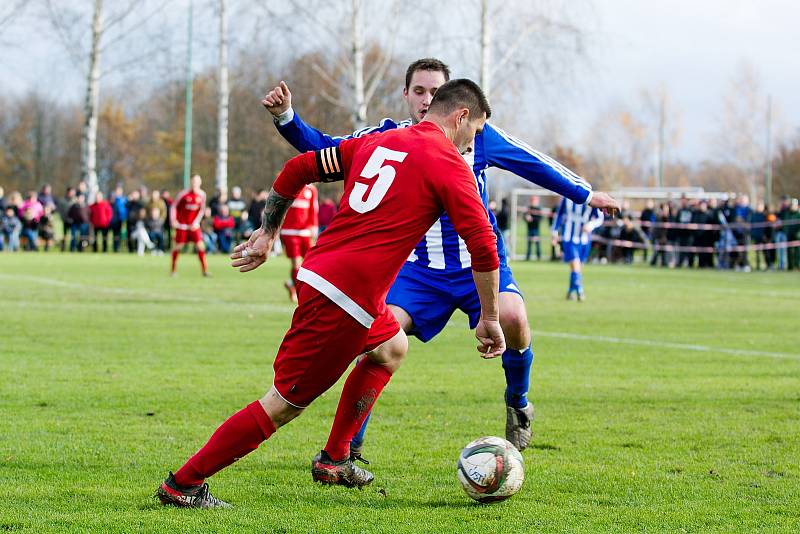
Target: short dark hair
460	93
427	63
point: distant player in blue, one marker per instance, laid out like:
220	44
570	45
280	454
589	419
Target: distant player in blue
436	280
573	226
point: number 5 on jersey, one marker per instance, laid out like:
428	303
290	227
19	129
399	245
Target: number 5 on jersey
385	173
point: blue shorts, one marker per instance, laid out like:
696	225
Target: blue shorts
430	296
575	251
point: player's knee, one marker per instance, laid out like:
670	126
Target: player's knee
514	322
279	411
391	353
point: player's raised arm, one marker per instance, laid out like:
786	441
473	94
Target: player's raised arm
301	135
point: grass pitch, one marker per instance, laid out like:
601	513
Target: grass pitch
668	402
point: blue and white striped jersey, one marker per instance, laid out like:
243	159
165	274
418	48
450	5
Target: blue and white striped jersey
441	248
575	223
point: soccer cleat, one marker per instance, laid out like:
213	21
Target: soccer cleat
570	295
169	493
581	296
207	274
355	453
518	425
344	472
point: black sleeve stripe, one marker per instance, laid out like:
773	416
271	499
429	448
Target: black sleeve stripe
329	164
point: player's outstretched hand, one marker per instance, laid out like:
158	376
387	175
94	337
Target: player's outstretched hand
491	339
605	202
278	100
250	255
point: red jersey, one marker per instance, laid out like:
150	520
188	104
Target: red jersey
303	215
396	186
187	210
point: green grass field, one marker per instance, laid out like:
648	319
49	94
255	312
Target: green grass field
668	402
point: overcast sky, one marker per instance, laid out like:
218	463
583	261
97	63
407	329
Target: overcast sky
693	47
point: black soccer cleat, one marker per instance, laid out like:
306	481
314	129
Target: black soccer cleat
171	494
344	472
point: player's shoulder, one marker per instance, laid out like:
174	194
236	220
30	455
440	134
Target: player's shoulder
384	125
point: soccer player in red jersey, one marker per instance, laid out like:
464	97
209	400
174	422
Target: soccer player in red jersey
185	215
396	185
299	228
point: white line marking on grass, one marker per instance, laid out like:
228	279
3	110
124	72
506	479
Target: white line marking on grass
164	296
667	345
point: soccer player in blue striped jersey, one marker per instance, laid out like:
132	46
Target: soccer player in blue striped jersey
436	280
573	226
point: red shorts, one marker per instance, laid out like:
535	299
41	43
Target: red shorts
295	246
322	341
188	236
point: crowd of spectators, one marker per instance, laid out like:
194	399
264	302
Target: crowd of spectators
136	221
704	233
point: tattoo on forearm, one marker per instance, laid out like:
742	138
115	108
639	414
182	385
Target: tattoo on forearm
274	211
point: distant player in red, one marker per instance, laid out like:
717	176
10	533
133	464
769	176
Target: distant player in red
185	215
396	185
299	229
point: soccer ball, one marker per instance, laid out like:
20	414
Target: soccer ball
490	469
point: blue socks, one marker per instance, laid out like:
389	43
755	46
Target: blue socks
358	439
575	282
517	366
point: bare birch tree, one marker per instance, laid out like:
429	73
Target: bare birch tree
107	30
222	103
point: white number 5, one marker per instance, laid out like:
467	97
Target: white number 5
385	173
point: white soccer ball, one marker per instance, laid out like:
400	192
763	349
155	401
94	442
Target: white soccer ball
490	469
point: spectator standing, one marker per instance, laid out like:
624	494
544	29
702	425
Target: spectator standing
135	215
224	225
30	228
780	232
792	226
46	196
10	226
758	234
119	206
741	231
685	236
236	208
32	205
140	236
167	222
256	209
704	237
79	230
2	202
533	217
646	220
327	209
155	229
504	218
100	216
659	237
46	230
63	206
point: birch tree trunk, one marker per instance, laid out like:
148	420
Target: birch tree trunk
222	105
359	100
486	49
89	136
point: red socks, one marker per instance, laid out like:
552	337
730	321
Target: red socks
238	436
360	392
202	255
174	259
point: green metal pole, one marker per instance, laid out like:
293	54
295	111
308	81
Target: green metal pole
187	128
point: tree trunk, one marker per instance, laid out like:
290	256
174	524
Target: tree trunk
89	138
486	49
359	100
222	105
